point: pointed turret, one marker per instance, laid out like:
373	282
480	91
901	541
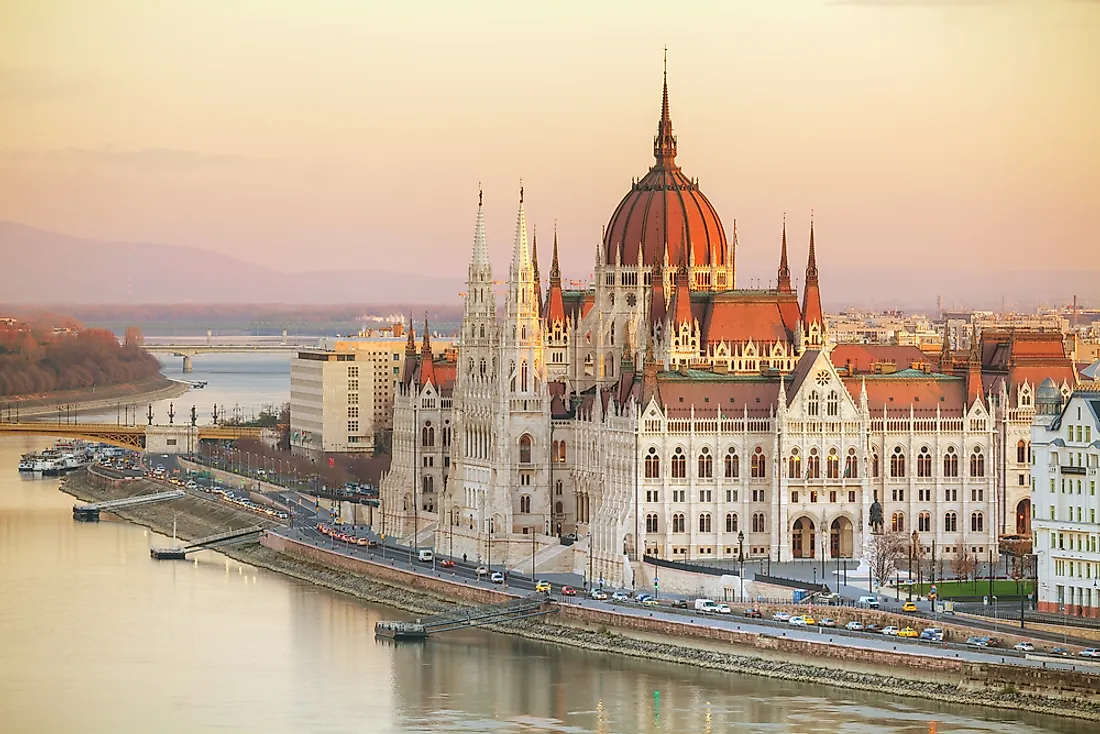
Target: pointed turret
783	282
427	367
811	295
664	143
555	306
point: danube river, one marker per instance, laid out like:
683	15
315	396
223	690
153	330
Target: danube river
97	637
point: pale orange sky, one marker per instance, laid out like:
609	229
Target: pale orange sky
353	134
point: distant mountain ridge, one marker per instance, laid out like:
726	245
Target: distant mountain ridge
41	267
38	267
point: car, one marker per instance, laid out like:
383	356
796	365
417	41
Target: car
568	591
447	564
797	621
753	614
1059	651
724	609
977	641
907	632
890	630
854	626
598	594
620	596
781	617
909	607
1090	652
543	586
809	619
826	622
649	601
496	577
1023	647
481	570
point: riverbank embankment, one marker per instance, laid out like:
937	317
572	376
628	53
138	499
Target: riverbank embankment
91	400
948	680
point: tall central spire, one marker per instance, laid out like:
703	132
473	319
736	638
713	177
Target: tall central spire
664	144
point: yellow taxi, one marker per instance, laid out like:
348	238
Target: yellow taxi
907	632
909	607
543	586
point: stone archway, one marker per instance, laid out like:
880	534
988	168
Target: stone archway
802	538
1023	517
841	544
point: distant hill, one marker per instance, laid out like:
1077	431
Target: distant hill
41	267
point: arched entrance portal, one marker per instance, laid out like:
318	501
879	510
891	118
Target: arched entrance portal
1023	517
840	538
802	538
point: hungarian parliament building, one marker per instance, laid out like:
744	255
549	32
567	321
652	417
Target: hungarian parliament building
664	412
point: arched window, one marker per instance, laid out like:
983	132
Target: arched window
731	522
706	464
851	465
875	468
733	464
924	462
950	522
651	523
897	463
758	522
525	449
759	464
924	522
832	404
813	404
427	435
813	465
794	465
832	465
977	522
704	522
1021	452
678	522
977	463
951	463
525	503
679	464
897	522
652	464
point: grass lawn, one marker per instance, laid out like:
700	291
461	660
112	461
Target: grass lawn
1002	588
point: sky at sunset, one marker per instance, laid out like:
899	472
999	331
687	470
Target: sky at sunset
354	134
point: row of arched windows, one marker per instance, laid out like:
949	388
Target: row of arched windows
924	463
652	523
731	464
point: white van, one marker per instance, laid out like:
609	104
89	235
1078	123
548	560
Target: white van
706	605
425	556
871	602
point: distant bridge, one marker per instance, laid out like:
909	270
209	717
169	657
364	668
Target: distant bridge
170	439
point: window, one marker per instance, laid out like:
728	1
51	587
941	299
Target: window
977	462
794	465
758	464
525	449
897	522
706	464
733	464
977	522
651	523
1021	452
832	465
813	465
652	464
427	435
525	503
950	522
924	463
679	464
813	404
832	404
924	522
897	463
731	522
951	463
758	522
678	523
851	465
704	522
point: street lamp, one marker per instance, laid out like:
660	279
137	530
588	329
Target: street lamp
741	560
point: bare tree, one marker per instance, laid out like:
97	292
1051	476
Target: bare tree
888	551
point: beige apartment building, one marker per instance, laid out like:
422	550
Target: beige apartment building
341	391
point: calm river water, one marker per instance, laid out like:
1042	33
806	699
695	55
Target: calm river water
97	637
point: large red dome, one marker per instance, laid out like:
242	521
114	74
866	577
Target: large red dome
664	210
